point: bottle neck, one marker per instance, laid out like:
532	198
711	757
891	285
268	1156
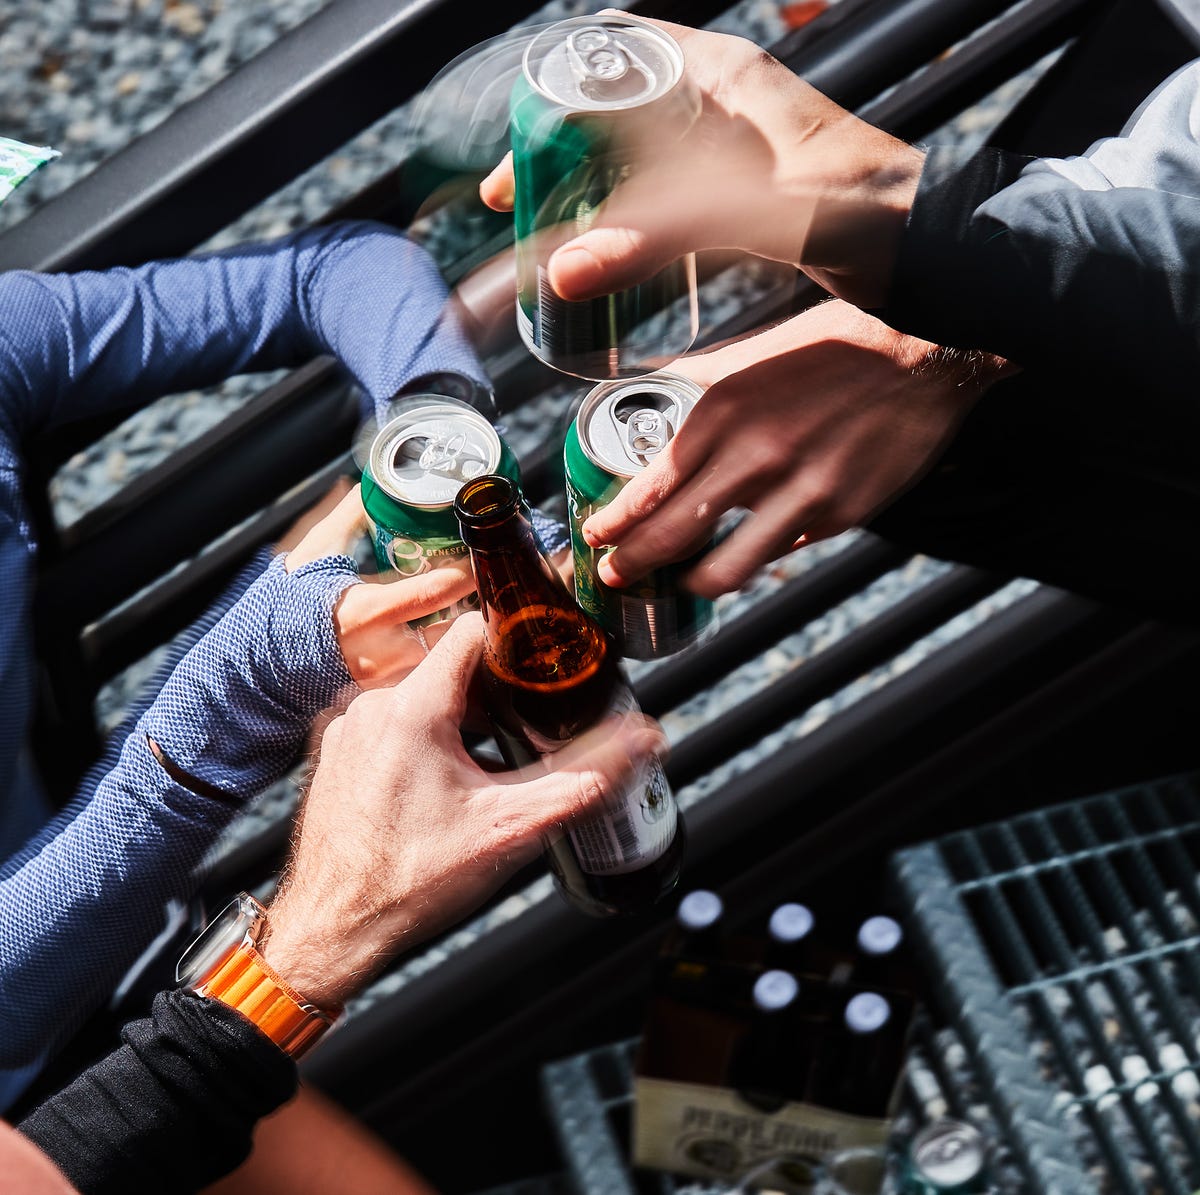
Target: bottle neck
536	635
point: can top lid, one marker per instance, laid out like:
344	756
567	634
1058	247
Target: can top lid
879	935
424	455
790	923
949	1152
700	909
624	425
775	990
603	63
867	1012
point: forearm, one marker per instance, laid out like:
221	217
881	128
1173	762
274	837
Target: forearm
79	910
77	344
80	904
1047	274
172	1109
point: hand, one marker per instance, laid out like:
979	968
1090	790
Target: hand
813	425
770	166
402	833
371	618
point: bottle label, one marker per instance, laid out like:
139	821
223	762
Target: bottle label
633	832
711	1132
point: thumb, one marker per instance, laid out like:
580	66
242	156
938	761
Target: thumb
643	226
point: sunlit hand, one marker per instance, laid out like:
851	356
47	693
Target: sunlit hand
371	618
813	425
770	166
402	833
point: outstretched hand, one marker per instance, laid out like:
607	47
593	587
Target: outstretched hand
402	832
770	166
813	425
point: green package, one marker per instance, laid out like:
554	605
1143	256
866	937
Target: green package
18	161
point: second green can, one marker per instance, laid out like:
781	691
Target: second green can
620	429
417	463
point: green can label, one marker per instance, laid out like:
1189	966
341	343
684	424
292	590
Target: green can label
620	428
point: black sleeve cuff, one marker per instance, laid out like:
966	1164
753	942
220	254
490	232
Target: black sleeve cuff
947	286
172	1109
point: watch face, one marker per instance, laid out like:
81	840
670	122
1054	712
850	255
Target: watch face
227	930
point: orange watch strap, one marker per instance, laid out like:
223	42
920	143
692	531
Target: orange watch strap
245	982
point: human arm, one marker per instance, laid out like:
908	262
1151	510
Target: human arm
76	344
812	425
84	897
1041	262
401	834
1080	267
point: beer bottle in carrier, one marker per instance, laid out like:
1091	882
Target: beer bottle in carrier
790	938
696	932
879	955
861	1059
551	673
766	1068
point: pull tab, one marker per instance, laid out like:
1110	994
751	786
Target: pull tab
446	457
647	433
645	422
594	55
606	69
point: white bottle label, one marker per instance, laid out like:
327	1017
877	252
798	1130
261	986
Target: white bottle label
633	832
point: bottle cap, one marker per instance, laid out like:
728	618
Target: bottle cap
774	990
867	1012
790	923
879	935
700	909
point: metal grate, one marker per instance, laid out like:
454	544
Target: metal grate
1064	944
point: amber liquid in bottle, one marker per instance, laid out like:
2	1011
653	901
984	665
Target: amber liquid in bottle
550	673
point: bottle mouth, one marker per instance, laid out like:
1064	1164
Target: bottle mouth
486	500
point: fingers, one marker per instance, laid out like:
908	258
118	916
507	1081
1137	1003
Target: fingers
595	770
497	189
393	596
441	680
333	535
634	236
771	532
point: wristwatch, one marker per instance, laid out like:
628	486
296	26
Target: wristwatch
224	964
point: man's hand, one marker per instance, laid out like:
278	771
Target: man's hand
371	618
402	833
813	425
770	166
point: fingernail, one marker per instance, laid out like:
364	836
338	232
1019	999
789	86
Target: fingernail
606	572
568	264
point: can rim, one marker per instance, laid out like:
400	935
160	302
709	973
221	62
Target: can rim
661	382
385	438
673	48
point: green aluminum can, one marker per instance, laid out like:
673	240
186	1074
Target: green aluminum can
591	90
417	463
619	430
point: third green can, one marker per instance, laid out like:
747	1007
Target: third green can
620	429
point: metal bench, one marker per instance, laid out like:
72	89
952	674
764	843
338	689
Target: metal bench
1047	678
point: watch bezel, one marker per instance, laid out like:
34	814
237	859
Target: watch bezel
241	921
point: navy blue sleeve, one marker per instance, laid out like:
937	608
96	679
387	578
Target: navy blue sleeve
72	345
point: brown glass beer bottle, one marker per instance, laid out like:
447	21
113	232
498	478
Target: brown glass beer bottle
550	673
